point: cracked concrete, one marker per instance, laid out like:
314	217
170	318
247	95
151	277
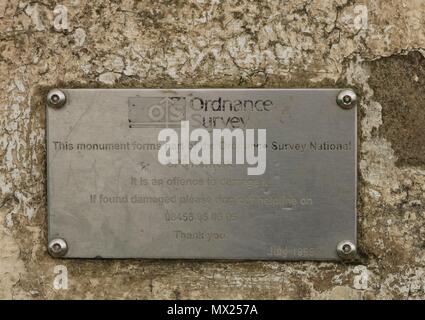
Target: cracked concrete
375	46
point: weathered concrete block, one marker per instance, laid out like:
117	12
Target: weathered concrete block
375	46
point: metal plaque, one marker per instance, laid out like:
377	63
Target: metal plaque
202	173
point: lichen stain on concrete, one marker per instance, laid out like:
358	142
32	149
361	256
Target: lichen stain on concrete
398	83
220	44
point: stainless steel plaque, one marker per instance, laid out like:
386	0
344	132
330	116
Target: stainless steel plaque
282	188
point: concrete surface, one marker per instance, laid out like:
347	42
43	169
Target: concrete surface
376	46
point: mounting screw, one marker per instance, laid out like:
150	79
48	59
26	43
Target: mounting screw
346	99
346	250
57	248
56	98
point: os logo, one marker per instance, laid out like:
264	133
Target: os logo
156	112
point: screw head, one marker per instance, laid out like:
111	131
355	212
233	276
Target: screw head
346	250
57	248
56	98
346	99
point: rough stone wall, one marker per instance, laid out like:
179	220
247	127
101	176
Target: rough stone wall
376	46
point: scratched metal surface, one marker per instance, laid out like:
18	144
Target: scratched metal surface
122	203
